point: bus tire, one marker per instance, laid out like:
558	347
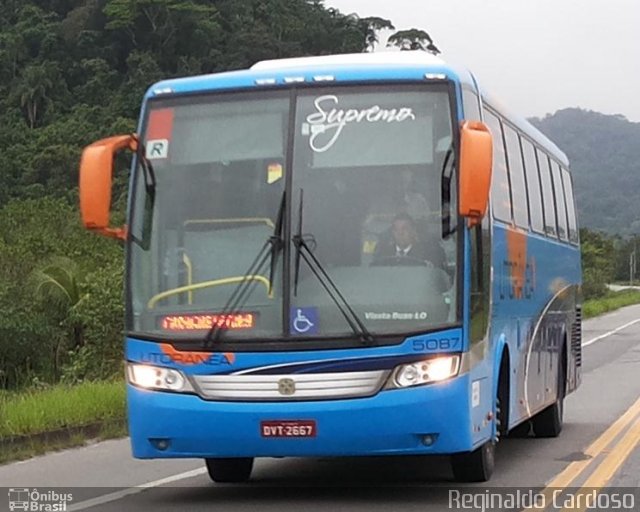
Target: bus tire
475	466
548	422
521	431
230	471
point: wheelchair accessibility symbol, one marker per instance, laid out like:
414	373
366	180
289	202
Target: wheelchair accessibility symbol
304	320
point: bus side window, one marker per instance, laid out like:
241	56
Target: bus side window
500	188
561	208
533	186
516	176
470	104
480	281
547	194
571	208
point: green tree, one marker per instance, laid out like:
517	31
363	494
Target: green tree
597	262
371	26
44	253
56	288
33	92
413	39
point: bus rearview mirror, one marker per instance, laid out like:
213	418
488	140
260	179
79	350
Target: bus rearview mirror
96	180
476	155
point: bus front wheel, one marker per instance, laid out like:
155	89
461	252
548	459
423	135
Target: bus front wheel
475	466
230	471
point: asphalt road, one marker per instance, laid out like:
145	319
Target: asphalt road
101	476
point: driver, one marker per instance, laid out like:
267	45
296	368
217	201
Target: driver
404	245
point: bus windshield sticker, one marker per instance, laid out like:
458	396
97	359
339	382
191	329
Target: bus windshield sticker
159	132
396	315
157	149
160	124
274	173
332	121
304	320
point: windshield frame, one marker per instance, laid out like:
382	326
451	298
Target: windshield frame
284	340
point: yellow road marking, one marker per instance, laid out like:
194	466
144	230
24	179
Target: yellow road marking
605	471
573	470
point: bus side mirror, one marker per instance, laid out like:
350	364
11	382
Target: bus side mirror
96	179
476	160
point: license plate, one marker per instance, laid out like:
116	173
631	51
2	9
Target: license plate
288	428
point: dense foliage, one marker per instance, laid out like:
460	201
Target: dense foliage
71	72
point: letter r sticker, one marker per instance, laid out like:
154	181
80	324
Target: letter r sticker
156	149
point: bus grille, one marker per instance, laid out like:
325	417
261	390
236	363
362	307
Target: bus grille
576	337
310	386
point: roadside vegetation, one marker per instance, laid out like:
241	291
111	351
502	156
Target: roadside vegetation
45	418
60	407
610	302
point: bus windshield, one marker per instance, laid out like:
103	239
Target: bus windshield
363	171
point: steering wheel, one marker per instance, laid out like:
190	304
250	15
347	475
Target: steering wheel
401	261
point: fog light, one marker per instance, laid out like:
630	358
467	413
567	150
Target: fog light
160	443
429	439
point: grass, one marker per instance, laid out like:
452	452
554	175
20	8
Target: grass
30	447
609	302
35	412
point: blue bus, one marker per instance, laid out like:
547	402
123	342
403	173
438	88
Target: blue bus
345	255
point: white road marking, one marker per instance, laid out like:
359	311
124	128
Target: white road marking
113	496
598	338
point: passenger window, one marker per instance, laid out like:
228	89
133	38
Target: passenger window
547	194
533	186
480	281
561	208
500	190
516	176
571	210
471	105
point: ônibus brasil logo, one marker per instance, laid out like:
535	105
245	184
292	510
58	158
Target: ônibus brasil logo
32	500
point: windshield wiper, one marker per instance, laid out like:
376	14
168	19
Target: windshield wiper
271	249
303	251
149	173
446	178
149	177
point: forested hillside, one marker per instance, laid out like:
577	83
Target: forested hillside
604	151
73	71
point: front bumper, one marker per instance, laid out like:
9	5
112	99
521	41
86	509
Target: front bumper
393	422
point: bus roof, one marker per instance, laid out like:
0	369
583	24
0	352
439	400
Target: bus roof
389	65
414	65
412	58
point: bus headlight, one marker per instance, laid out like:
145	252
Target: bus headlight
424	372
157	377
